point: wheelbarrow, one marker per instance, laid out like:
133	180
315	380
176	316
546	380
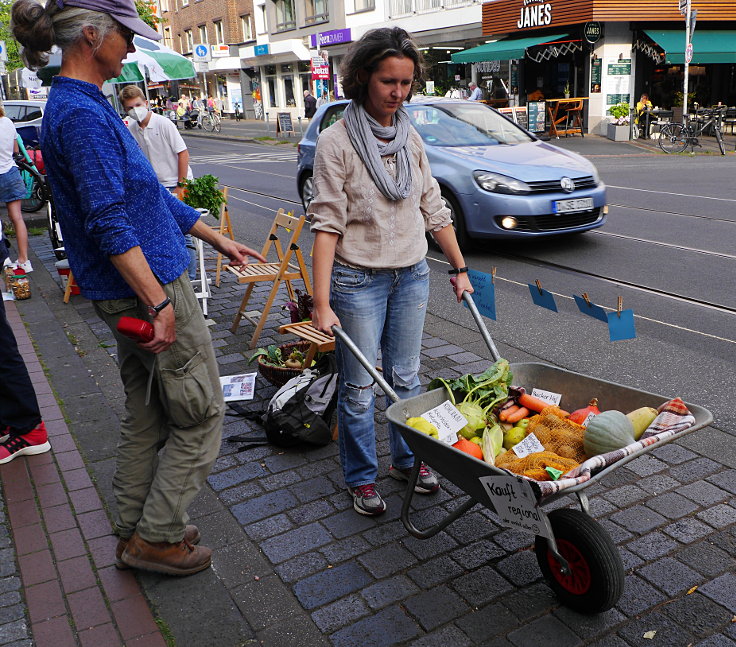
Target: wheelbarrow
576	555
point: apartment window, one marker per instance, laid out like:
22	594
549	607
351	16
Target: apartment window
203	34
188	40
219	32
262	22
246	27
364	5
164	5
316	11
167	38
184	3
285	15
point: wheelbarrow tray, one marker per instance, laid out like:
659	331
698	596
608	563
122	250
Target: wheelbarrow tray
465	471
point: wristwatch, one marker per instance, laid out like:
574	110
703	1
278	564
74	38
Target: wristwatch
154	310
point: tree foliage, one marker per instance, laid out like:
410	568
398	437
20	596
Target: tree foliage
145	11
14	60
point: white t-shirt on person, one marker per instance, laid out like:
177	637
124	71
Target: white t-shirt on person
7	139
161	144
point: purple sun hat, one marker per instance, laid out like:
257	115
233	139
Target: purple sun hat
123	11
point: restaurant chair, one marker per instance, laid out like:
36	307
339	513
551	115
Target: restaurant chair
730	119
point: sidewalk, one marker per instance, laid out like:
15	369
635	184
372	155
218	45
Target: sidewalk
292	563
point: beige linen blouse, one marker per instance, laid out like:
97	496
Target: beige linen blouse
375	232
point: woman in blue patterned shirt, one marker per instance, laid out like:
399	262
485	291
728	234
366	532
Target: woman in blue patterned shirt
124	236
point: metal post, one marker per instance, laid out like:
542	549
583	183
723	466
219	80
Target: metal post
301	128
687	64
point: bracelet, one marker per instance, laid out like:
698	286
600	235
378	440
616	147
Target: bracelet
459	270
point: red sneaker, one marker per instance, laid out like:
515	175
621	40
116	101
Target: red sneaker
32	442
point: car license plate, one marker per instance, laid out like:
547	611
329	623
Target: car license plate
570	206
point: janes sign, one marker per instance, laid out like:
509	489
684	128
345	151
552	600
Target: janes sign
535	13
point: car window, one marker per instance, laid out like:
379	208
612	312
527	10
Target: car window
33	113
460	124
332	116
15	113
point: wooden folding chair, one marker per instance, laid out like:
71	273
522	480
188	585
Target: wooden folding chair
225	227
276	273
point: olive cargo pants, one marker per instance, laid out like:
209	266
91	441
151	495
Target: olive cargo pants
171	431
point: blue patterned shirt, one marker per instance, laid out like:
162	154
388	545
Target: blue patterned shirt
107	197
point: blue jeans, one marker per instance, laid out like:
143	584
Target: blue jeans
383	308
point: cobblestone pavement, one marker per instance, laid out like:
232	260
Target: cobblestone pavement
294	565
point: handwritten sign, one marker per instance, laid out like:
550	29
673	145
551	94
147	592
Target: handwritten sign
484	295
513	500
448	421
283	121
530	445
547	396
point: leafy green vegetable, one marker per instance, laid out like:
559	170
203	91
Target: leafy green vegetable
271	354
476	395
203	193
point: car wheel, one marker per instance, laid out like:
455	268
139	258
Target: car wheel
306	190
458	220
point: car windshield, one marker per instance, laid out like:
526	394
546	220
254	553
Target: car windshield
464	124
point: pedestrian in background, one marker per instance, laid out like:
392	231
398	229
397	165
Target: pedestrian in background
375	199
164	148
310	105
22	432
12	191
124	237
475	92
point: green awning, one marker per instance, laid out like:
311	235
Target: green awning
709	46
502	50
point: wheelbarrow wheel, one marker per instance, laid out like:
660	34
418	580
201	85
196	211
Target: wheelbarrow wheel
596	578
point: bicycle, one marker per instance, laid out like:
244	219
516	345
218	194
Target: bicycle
676	137
211	122
36	190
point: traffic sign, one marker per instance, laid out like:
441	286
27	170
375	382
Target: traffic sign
689	53
202	53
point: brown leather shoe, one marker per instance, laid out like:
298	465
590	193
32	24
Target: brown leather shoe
182	558
191	534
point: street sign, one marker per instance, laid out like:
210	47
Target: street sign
689	53
201	66
683	7
202	53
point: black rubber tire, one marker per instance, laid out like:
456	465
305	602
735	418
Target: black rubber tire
306	190
207	123
721	143
672	138
458	220
38	194
597	578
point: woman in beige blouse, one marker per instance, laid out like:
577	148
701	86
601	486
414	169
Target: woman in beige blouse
374	200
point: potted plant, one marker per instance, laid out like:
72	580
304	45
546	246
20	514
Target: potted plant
566	90
677	105
202	193
619	126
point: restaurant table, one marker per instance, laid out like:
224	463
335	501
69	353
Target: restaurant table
573	116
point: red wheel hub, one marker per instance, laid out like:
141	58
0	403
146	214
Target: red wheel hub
578	581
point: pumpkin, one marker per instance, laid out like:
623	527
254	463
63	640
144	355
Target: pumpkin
607	432
580	415
469	448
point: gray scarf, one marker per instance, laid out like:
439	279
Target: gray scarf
364	132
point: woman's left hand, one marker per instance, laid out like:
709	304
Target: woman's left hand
460	284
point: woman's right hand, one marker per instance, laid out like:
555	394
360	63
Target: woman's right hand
323	319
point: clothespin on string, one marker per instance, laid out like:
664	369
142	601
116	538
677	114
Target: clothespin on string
484	292
621	323
541	297
587	307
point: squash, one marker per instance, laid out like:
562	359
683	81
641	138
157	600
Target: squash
606	432
466	446
580	415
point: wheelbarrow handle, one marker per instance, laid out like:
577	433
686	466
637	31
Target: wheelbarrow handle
481	326
350	344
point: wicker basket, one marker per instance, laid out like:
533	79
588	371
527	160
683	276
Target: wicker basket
280	375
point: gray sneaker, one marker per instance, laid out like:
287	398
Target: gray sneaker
427	482
366	500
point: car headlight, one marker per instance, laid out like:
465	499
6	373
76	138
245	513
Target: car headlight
497	183
596	177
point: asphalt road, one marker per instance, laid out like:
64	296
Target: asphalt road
667	250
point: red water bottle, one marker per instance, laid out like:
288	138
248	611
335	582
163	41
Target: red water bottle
136	329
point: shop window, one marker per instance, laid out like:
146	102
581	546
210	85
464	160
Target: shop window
285	15
246	27
219	32
316	11
289	91
271	80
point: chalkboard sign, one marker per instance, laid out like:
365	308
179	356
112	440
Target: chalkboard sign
283	122
520	117
536	116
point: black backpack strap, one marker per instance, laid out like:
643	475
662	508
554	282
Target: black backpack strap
250	440
239	410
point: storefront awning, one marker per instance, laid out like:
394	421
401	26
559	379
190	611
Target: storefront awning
502	50
709	46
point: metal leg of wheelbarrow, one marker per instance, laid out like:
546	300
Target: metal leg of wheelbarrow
429	532
481	326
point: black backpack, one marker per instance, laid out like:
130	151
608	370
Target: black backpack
301	411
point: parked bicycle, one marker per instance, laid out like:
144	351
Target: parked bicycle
676	137
211	122
36	190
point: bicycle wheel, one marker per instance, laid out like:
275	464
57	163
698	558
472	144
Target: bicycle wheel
217	124
719	139
207	123
673	138
36	193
